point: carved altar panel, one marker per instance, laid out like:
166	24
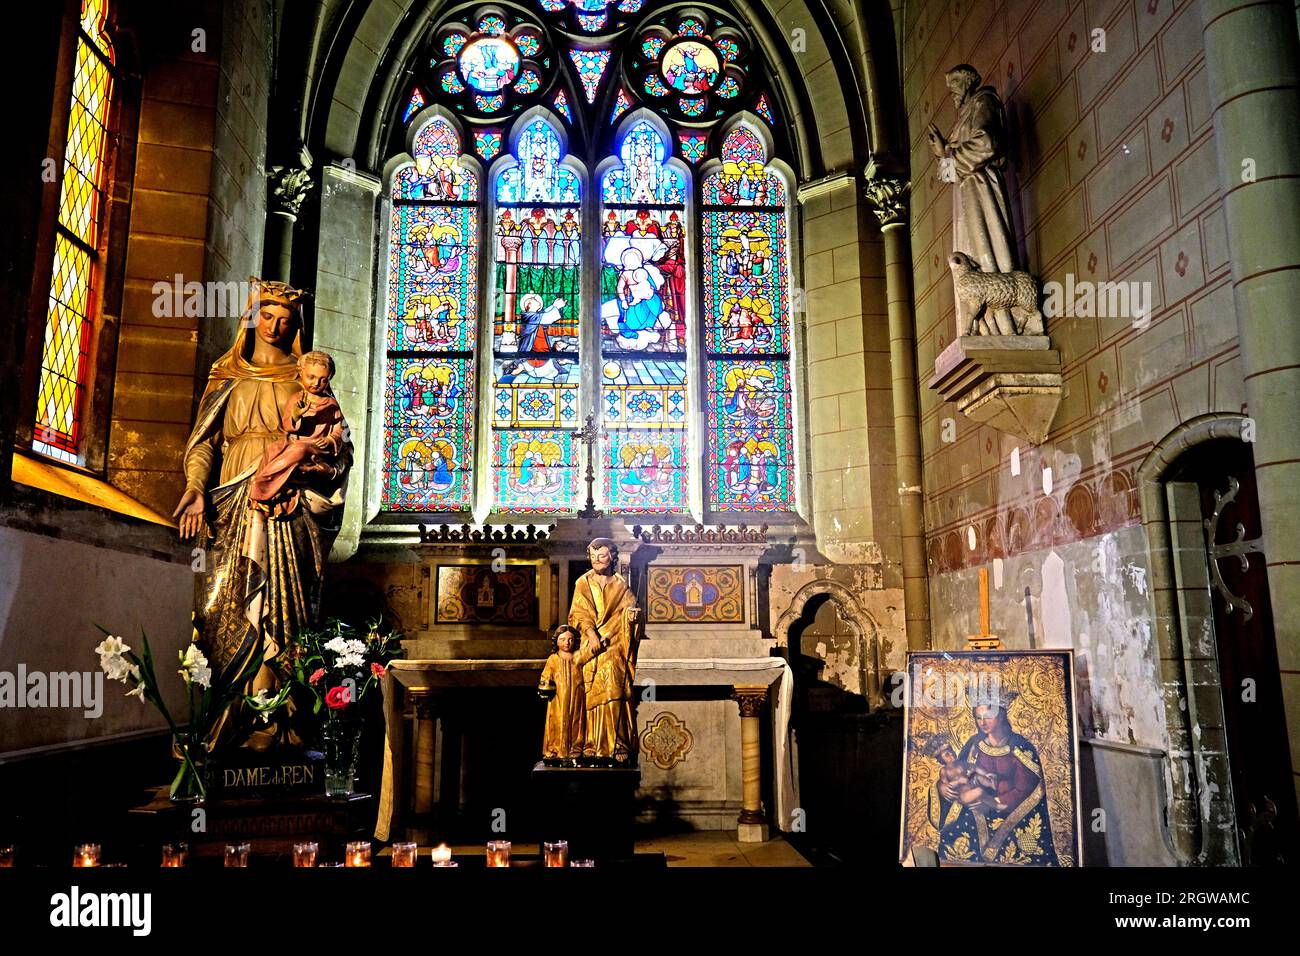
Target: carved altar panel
695	594
477	594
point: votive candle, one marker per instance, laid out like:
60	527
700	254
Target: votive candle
304	854
86	854
6	857
442	856
498	853
404	855
555	853
237	854
358	853
174	854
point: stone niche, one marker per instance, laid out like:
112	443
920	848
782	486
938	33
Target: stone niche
1009	382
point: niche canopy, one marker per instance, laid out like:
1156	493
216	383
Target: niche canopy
688	65
492	66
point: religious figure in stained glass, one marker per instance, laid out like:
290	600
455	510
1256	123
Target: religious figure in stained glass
432	327
746	319
538	253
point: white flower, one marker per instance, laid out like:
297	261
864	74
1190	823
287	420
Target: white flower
336	644
194	667
111	647
138	693
260	699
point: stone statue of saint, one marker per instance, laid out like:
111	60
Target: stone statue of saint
973	157
604	611
261	577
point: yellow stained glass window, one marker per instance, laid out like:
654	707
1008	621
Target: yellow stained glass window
64	353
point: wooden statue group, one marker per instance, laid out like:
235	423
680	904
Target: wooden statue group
587	681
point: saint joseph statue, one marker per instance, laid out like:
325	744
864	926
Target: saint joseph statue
605	613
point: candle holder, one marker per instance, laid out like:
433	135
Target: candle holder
85	854
442	856
304	854
404	855
358	854
7	854
555	853
174	855
498	853
237	854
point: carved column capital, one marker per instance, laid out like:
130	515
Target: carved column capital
750	698
289	188
887	196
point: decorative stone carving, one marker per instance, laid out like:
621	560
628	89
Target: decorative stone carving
888	197
983	296
289	188
750	700
1010	382
667	740
493	534
702	534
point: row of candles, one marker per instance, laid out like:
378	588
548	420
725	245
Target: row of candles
356	854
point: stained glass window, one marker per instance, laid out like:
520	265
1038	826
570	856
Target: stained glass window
432	327
746	319
537	373
591	69
653	296
65	352
644	402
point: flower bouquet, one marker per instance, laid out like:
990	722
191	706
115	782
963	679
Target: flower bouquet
207	699
337	665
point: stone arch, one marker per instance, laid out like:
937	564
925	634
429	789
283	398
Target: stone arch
863	625
1186	831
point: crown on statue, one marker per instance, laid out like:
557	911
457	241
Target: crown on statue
263	291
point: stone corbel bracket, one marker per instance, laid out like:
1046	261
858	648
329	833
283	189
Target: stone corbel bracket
1009	382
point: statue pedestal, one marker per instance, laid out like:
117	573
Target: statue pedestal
1010	382
594	808
271	826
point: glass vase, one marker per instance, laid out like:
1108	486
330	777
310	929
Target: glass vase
342	738
190	785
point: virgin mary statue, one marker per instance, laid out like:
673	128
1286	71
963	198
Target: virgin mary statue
260	580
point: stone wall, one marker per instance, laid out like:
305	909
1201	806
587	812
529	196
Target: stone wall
1112	178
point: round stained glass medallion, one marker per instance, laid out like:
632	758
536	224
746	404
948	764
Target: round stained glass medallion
690	67
489	64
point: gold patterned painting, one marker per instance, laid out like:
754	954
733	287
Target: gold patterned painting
475	594
696	595
990	773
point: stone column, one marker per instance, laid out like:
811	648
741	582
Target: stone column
289	186
425	732
751	827
888	200
1252	64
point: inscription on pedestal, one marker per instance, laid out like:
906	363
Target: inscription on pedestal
300	773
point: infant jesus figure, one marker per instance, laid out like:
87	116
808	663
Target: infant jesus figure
314	435
973	785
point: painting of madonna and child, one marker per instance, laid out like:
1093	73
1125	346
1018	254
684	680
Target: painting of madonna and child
990	771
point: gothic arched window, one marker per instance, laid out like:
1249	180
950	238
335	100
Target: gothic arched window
635	270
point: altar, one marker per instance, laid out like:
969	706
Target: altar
463	722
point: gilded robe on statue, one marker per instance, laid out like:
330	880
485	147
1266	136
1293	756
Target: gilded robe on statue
566	711
261	577
601	603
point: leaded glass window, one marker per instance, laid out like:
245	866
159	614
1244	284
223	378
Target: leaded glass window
636	270
66	349
432	327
